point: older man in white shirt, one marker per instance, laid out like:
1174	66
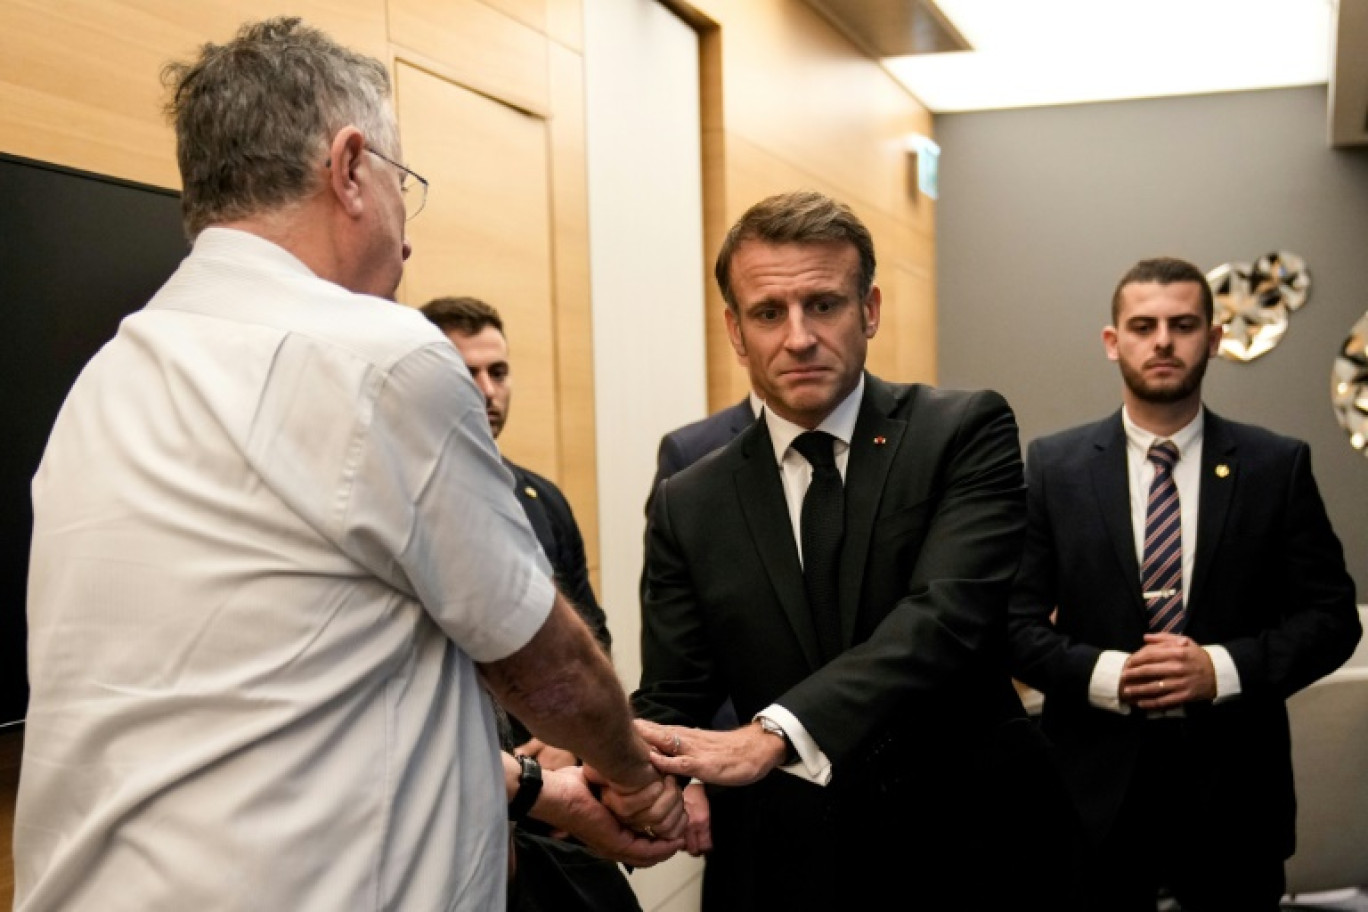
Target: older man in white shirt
259	644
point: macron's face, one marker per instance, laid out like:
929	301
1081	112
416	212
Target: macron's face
799	324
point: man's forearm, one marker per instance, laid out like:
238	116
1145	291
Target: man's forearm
563	688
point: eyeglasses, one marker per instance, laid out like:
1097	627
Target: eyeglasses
415	194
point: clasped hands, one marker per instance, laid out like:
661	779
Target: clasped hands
647	824
1168	671
639	824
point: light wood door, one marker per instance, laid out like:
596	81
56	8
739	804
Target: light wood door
486	232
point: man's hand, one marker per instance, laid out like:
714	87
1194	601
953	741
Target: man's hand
550	758
698	834
737	757
1168	671
656	809
567	804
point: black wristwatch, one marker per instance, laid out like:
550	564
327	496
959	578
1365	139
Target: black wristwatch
529	787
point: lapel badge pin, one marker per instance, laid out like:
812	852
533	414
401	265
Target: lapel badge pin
880	440
1222	471
532	492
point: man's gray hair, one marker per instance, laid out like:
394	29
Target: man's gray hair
254	117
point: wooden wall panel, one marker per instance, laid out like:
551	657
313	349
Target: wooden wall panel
574	318
80	81
908	330
11	749
799	89
797	106
528	12
565	23
486	232
475	45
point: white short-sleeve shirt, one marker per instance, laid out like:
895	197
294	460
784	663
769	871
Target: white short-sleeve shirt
272	536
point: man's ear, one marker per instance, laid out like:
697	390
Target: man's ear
1214	342
738	341
1109	342
872	307
346	154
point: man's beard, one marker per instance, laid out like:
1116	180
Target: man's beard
1189	384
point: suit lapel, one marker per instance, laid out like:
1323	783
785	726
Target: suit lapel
535	510
760	492
1111	483
873	445
1216	487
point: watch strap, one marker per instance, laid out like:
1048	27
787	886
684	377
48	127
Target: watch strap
529	788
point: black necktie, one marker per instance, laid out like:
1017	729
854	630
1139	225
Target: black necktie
822	530
1161	577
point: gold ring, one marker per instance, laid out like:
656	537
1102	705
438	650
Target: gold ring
674	748
1161	686
650	832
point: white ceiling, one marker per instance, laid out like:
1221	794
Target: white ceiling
1062	51
1023	53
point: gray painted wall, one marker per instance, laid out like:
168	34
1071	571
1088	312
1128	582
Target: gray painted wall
1041	210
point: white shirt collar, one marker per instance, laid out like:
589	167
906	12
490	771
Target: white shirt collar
1184	439
218	241
839	424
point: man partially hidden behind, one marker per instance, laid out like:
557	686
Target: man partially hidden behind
840	570
260	647
1180	581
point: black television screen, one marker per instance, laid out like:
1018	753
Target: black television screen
78	252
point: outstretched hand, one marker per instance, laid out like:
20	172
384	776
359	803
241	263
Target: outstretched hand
737	757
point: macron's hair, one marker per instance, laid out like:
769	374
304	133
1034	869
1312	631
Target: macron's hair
800	217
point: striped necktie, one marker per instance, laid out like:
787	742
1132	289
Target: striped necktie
1161	577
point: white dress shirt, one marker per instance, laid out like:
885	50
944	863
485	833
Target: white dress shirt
1104	686
796	473
272	537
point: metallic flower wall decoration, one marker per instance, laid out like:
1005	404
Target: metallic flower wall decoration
1349	386
1255	302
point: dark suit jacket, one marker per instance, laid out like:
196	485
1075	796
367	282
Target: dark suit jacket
934	523
554	524
1269	585
680	449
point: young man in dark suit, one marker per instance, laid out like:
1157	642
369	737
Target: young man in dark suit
1167	605
858	622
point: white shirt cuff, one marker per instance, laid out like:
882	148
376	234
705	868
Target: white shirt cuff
1227	675
812	765
1105	684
